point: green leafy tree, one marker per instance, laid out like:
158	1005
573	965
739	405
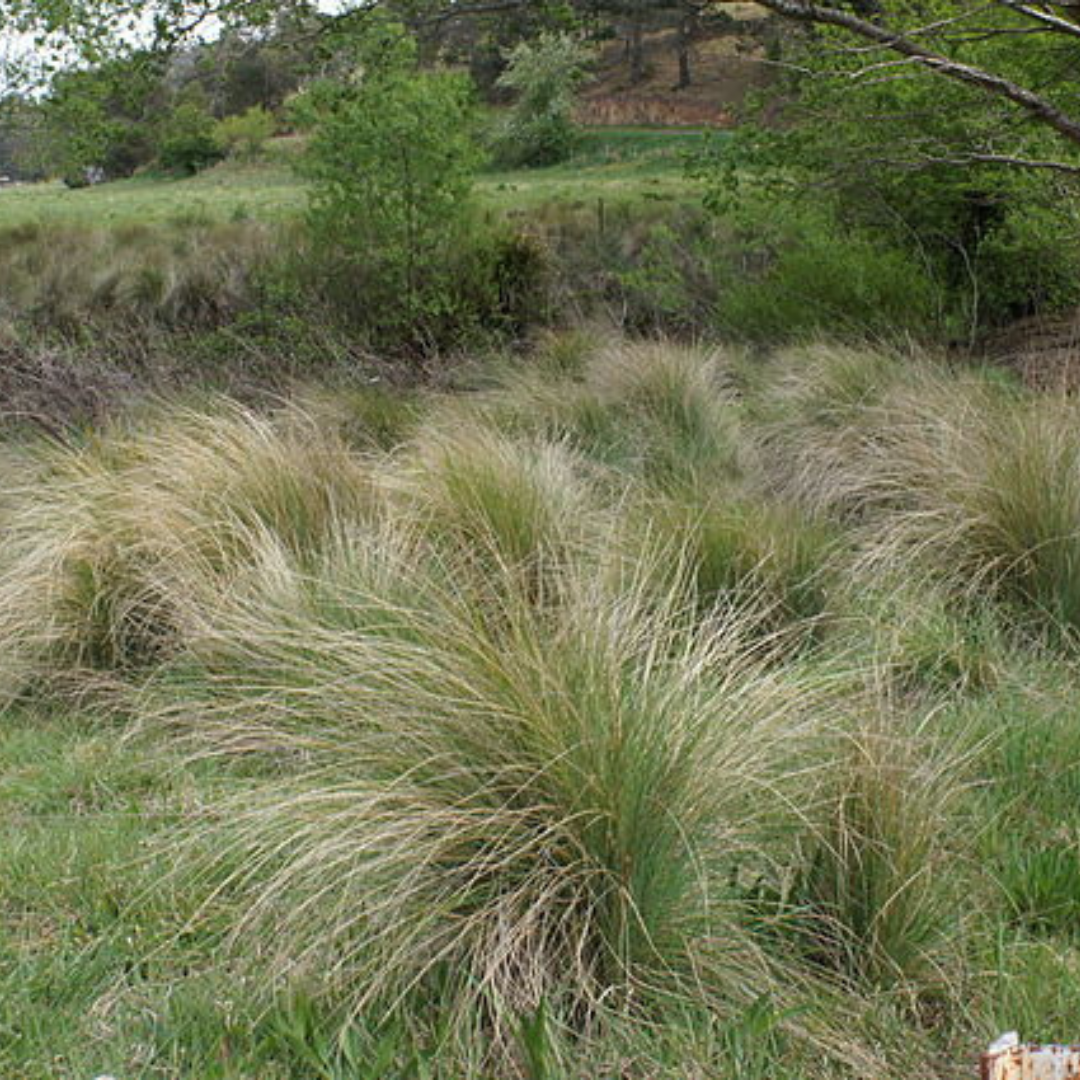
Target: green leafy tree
392	161
94	121
1019	58
932	38
188	140
956	177
539	128
245	135
78	136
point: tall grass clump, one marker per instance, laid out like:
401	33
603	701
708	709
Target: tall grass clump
657	410
66	278
734	550
533	812
874	881
675	398
121	539
498	507
985	485
920	640
817	415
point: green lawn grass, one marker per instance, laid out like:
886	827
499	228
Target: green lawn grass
617	165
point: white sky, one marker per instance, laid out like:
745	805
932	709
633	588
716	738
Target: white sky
20	49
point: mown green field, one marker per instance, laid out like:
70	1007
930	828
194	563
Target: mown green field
619	165
650	711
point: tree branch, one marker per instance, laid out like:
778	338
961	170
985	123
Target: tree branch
1001	159
1037	107
1052	22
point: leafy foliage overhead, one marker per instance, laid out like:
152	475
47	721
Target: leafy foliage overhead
1018	57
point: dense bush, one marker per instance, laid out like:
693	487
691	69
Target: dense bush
245	134
94	122
886	162
401	252
187	141
803	275
392	161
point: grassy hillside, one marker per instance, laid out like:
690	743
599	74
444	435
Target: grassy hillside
647	710
617	164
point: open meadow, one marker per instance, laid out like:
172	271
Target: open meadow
610	164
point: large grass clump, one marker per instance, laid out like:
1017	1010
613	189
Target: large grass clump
650	711
525	809
984	486
660	412
118	542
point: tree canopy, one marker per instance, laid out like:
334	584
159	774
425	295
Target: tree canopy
1022	57
1018	56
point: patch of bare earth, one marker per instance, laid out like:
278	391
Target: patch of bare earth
725	67
1043	350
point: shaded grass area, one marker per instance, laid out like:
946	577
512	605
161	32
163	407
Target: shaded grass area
621	164
632	714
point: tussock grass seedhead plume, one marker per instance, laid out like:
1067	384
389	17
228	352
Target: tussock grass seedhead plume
122	540
543	810
828	386
78	589
529	405
232	471
565	354
374	419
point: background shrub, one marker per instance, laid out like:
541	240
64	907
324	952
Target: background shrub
187	141
392	161
245	134
808	276
539	128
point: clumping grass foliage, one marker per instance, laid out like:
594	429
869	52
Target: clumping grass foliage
649	711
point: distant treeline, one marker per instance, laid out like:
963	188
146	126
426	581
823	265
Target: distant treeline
111	120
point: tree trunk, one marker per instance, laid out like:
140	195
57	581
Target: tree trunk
683	42
637	45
